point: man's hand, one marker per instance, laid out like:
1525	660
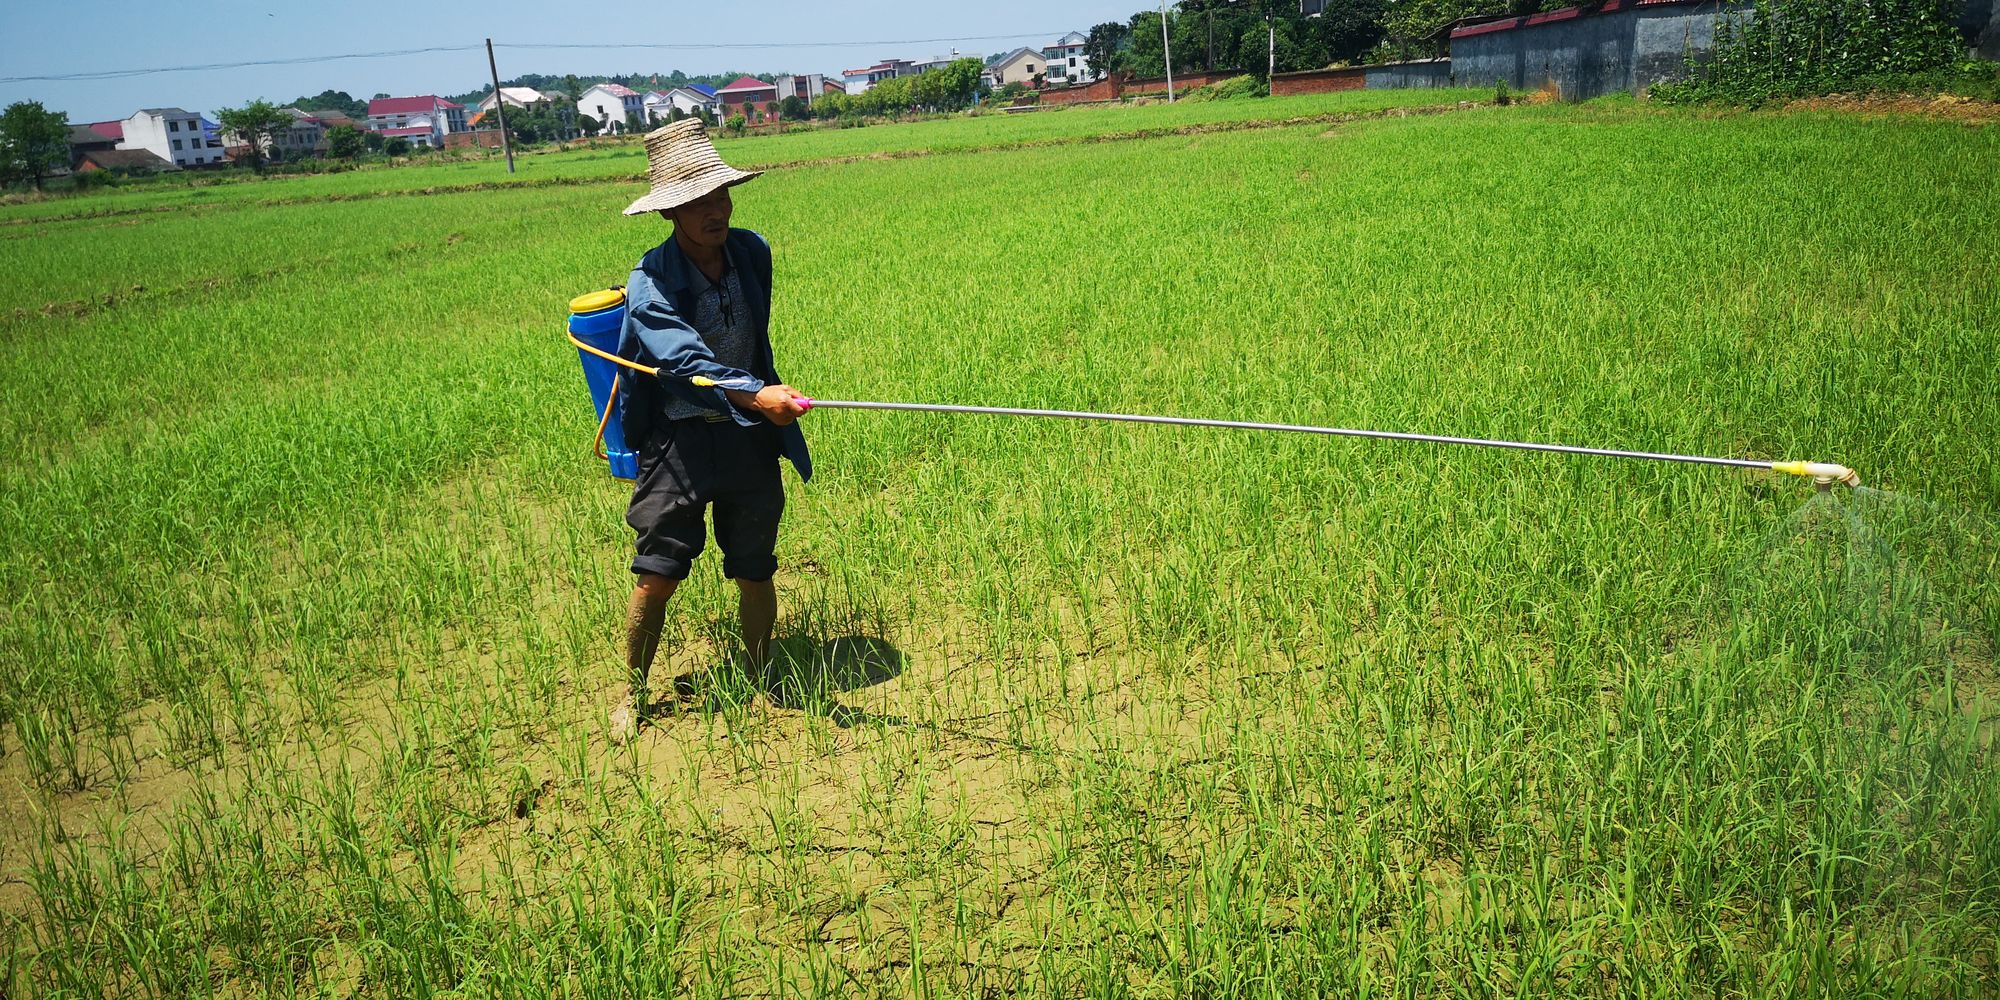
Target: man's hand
775	403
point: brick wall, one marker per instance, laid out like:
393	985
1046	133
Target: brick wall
1117	88
1319	81
1103	90
487	137
1182	83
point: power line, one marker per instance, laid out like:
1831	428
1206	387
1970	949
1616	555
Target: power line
772	45
120	74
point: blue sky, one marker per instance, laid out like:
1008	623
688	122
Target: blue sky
38	39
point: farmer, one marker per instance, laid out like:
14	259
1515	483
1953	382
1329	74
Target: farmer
699	305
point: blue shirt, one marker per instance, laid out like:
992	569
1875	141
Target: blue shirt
661	297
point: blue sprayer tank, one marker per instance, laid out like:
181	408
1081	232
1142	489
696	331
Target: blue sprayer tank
595	319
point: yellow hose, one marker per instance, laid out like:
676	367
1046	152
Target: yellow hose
613	358
611	402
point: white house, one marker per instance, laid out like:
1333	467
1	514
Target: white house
1019	66
306	136
1066	61
516	97
612	104
659	106
693	99
171	134
860	80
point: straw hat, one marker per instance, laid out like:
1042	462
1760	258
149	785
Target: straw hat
683	166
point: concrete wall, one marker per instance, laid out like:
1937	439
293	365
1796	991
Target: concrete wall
1624	47
1386	76
1981	24
1391	76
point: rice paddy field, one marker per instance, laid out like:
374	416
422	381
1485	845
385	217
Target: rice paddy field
312	593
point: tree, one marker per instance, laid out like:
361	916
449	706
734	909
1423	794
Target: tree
397	146
373	140
1105	46
959	83
736	124
337	100
793	106
256	125
1142	56
34	142
344	142
589	125
1347	29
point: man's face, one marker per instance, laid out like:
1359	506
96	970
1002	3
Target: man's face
703	221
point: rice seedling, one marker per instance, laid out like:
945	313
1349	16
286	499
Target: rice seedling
310	616
622	162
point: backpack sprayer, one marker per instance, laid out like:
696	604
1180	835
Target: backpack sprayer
595	320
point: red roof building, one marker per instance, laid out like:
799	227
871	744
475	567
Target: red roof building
424	105
434	115
109	130
748	90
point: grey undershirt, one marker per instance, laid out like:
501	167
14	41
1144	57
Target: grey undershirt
721	315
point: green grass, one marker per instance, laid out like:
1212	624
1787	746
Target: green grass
313	591
620	162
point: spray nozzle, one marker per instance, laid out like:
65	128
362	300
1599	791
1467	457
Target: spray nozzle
1823	474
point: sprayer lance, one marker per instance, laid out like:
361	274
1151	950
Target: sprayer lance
1825	474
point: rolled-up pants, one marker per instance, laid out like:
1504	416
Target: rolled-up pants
691	465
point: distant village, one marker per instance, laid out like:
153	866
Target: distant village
171	138
1596	48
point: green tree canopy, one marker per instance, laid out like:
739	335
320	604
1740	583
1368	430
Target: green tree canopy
337	100
1106	45
344	142
34	142
543	122
1241	35
255	124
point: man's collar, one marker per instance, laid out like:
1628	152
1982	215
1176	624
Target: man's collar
677	272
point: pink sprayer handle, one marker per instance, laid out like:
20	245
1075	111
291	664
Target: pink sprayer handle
804	403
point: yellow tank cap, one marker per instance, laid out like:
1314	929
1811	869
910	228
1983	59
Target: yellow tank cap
590	302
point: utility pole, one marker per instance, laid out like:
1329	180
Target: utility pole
1271	73
1167	50
500	106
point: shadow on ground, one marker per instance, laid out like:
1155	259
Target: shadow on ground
806	673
